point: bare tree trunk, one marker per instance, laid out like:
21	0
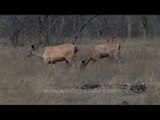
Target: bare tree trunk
17	28
49	29
129	29
62	28
16	36
74	24
46	30
144	26
100	30
40	30
79	20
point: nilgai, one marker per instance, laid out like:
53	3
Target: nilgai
111	49
52	54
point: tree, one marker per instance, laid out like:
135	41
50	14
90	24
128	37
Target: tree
17	24
144	26
129	29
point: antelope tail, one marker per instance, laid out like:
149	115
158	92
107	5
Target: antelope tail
76	49
119	47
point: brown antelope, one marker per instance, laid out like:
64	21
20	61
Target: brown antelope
52	54
103	50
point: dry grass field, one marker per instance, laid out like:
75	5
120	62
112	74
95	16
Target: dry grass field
29	81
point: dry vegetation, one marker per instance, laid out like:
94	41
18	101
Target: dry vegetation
23	80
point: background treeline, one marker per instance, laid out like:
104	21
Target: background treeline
52	29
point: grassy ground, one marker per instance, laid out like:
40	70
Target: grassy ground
26	80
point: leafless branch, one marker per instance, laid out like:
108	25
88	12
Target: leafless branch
83	26
55	21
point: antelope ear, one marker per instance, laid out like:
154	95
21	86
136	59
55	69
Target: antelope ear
83	61
32	46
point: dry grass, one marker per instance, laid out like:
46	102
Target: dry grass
23	80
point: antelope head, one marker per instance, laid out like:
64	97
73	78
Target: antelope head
30	50
33	51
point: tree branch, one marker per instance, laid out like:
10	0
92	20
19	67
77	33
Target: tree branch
83	26
56	20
